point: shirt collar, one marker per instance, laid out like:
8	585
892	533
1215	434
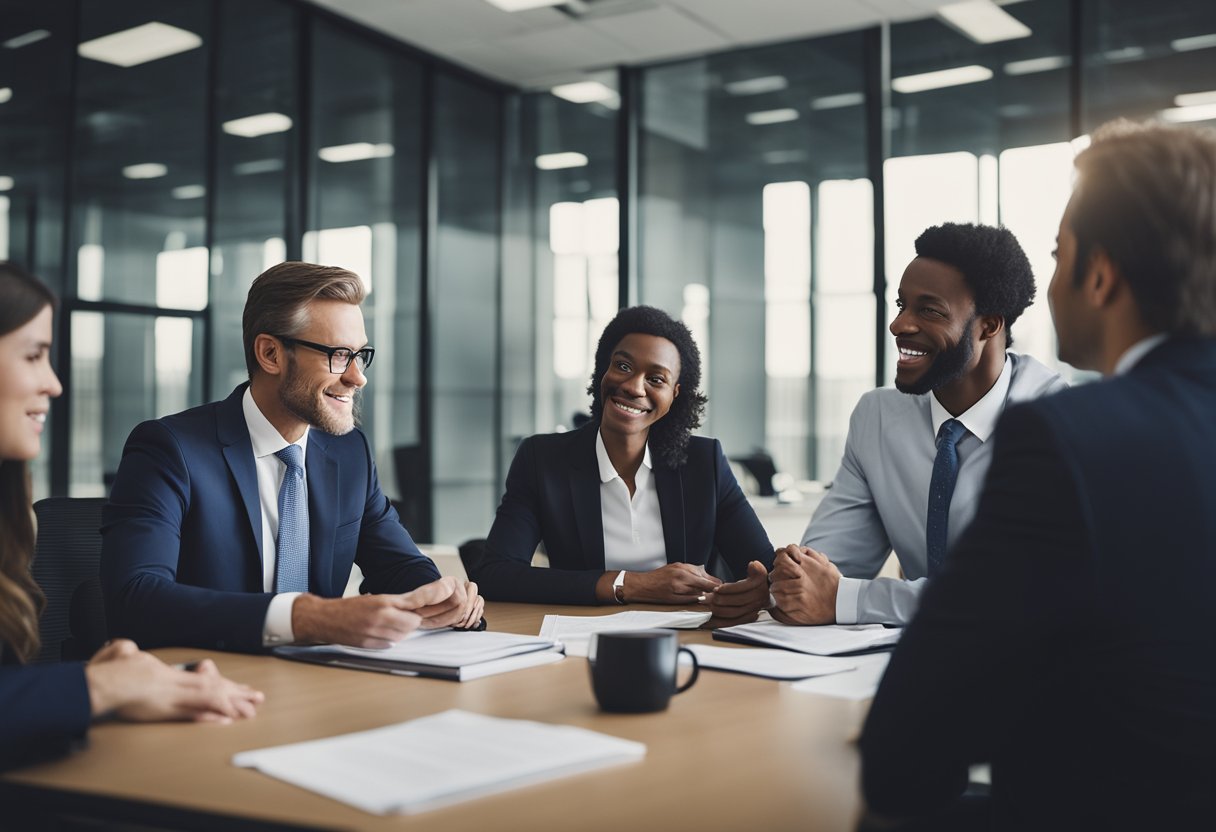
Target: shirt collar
1136	351
265	437
981	418
607	471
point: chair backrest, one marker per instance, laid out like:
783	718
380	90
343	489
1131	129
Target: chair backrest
67	554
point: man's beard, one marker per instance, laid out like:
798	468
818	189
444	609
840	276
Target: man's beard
305	403
949	365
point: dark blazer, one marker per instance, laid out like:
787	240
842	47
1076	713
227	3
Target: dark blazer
553	495
43	709
1071	638
181	560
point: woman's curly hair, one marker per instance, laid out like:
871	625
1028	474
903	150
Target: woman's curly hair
669	436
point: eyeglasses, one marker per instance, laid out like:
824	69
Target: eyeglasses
339	357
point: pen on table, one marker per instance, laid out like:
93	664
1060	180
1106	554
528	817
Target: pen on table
189	667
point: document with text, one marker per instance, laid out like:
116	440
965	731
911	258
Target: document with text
438	760
771	664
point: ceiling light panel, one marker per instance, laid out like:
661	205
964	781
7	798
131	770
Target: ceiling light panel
835	102
1191	99
26	39
147	170
356	152
756	86
772	116
983	21
560	161
523	5
1198	112
188	192
250	127
6	183
132	47
953	77
1190	44
1032	65
584	92
6	94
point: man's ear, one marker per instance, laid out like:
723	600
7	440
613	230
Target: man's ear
1103	280
675	391
270	354
991	326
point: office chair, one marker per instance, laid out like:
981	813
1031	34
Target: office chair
472	552
67	560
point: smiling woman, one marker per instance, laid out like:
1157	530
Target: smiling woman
632	506
43	708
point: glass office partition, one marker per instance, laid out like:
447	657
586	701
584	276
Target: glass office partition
464	300
756	228
364	213
256	133
137	240
979	133
36	53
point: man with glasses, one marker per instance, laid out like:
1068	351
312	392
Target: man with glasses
233	526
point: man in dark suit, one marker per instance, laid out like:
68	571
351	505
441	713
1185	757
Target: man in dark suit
234	525
1071	639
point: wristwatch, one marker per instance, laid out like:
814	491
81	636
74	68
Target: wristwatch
618	587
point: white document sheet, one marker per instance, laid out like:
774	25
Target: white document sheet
438	760
761	661
857	685
450	648
826	640
574	631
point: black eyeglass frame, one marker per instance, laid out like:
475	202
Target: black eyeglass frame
367	353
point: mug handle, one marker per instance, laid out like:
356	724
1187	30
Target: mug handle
695	670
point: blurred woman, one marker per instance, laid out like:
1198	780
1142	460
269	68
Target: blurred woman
43	708
631	506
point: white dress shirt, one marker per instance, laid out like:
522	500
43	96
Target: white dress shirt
879	498
1136	351
267	441
633	527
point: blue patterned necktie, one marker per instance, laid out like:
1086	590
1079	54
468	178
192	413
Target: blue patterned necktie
941	489
291	566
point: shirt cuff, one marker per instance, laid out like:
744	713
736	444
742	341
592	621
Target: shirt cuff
848	594
277	628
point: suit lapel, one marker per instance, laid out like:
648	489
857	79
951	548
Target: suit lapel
233	434
671	509
323	501
585	496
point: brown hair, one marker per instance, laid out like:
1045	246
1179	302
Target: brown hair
1147	198
22	297
278	300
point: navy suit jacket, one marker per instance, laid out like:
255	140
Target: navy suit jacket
181	560
1071	637
553	494
43	709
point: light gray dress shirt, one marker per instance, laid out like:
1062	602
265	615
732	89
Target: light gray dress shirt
879	499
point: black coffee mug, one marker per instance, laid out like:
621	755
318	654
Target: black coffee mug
635	672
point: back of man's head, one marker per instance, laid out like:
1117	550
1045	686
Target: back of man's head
279	297
1146	196
992	263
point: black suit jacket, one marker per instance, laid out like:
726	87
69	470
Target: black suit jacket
553	494
1071	638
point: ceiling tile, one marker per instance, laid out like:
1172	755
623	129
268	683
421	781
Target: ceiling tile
659	34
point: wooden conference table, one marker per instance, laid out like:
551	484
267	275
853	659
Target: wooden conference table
733	753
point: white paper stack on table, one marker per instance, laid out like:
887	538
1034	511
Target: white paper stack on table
442	654
438	760
574	631
771	664
827	640
856	685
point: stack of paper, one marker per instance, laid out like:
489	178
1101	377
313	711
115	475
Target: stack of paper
443	654
828	640
438	760
574	631
858	684
772	664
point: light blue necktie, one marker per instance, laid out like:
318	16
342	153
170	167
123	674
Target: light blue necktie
941	489
291	566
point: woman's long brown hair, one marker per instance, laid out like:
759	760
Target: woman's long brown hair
22	297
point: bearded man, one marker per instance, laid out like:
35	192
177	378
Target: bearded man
915	457
233	526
